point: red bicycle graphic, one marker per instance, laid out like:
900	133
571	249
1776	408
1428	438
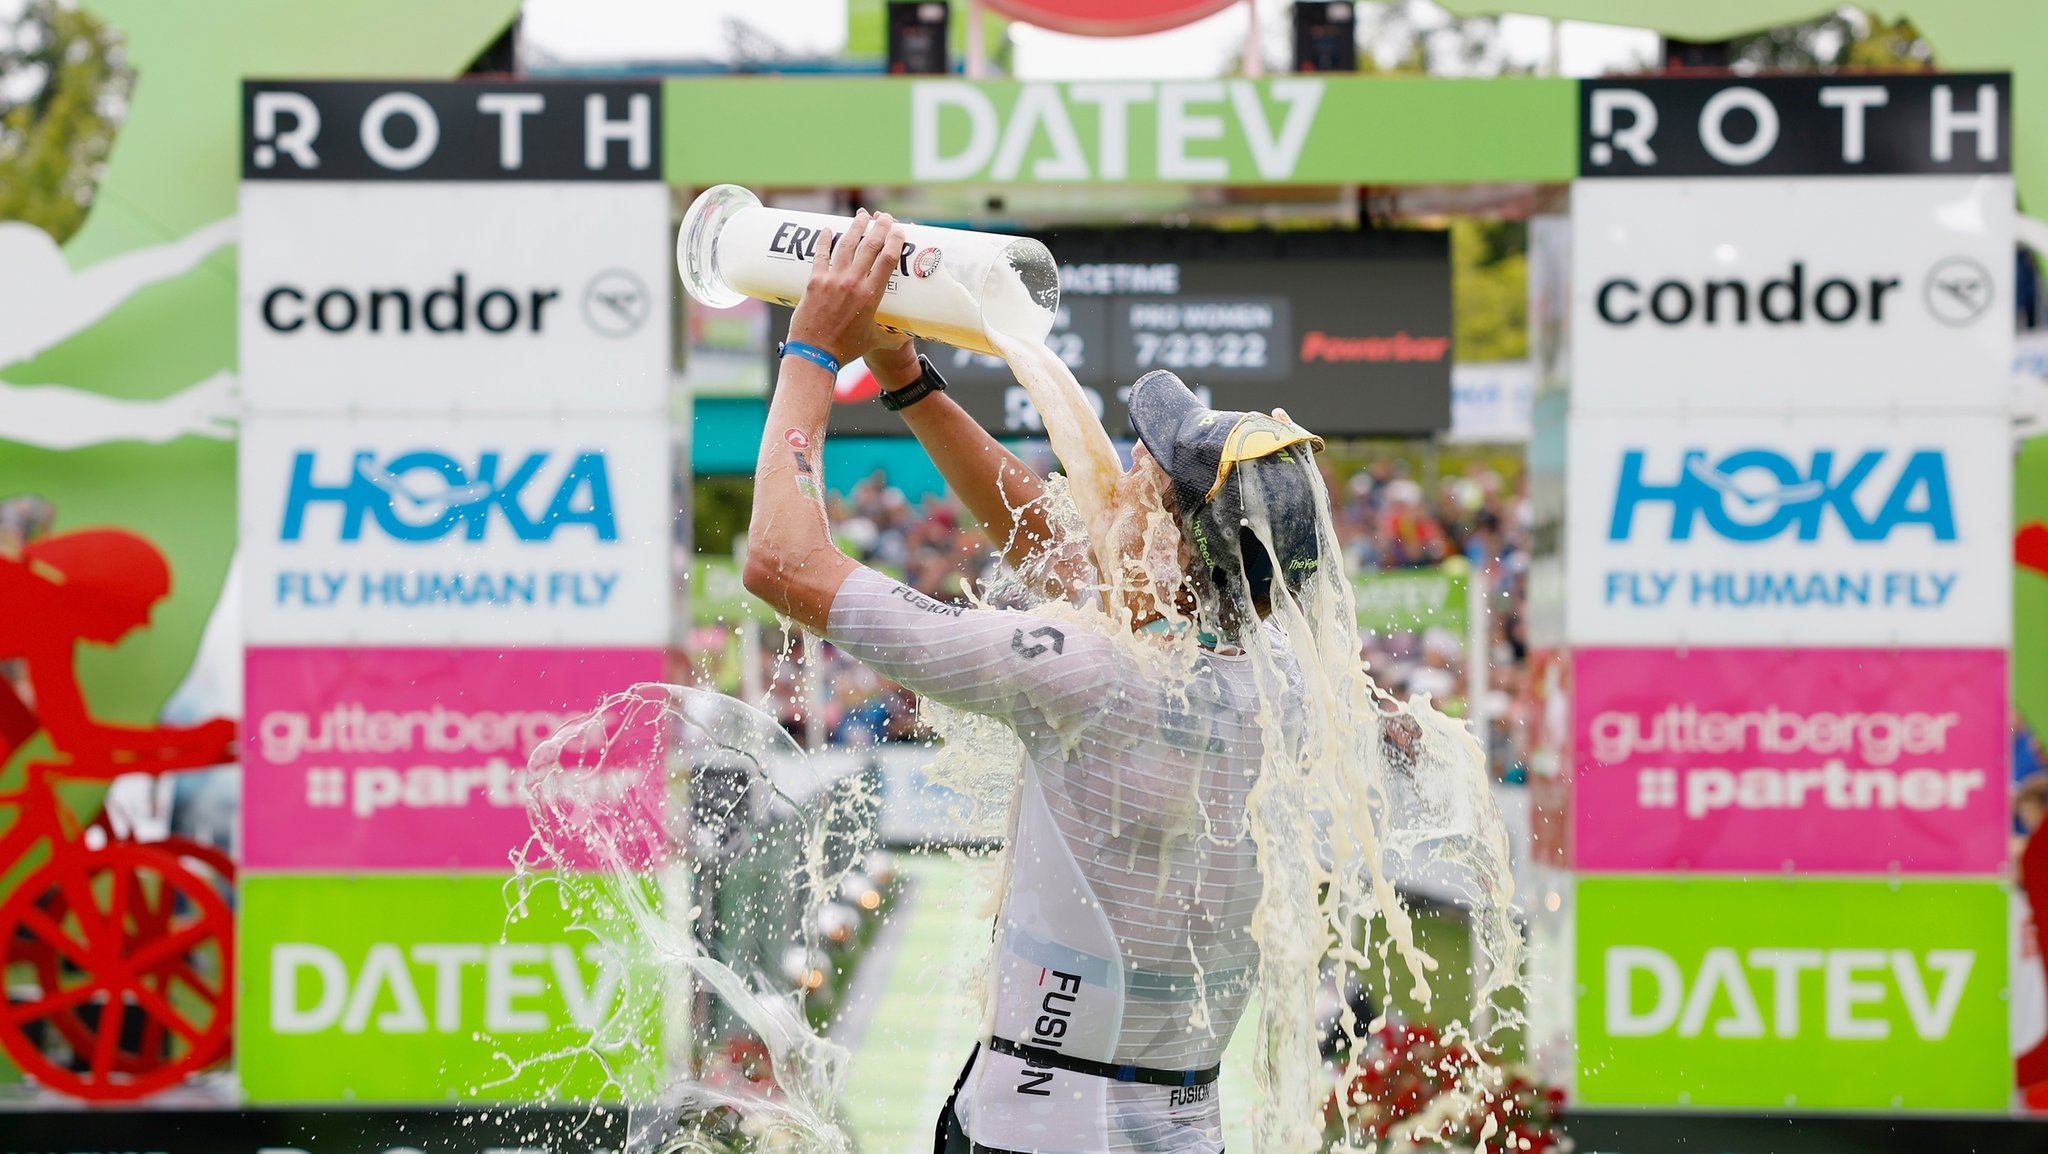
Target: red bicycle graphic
116	956
119	957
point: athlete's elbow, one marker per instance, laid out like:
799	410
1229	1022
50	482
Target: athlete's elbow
764	574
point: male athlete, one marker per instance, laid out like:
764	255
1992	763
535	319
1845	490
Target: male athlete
1123	951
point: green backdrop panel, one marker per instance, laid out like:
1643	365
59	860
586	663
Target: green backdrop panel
772	131
421	989
1793	994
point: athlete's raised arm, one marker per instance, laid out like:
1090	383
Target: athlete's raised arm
792	563
1005	496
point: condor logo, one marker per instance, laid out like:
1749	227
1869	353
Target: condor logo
1957	292
1784	300
445	309
1758	494
425	495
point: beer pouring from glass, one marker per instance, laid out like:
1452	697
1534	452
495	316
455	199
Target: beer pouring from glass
951	285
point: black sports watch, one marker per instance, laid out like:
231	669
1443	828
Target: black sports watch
928	382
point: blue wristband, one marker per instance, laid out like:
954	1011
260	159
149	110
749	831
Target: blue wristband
811	353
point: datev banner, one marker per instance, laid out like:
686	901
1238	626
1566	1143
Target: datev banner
489	529
1810	530
1852	293
425	989
1809	994
416	759
1818	760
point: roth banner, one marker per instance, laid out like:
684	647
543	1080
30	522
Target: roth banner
1790	530
1749	126
1808	995
477	247
416	759
1816	760
1766	294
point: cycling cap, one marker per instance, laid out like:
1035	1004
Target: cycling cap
1207	453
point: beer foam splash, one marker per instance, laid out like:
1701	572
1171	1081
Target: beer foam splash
741	802
1350	781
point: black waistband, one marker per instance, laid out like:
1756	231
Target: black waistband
1041	1056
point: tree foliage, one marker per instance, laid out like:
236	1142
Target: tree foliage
1489	290
1847	38
63	83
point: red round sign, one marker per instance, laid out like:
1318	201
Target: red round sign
1108	17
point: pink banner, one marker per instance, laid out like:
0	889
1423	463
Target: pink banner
1817	760
416	759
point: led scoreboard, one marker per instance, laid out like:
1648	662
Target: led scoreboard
1350	332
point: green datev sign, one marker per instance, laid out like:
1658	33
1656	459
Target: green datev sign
418	989
1805	994
1279	130
718	597
1411	600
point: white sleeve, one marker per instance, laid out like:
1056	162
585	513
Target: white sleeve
1042	676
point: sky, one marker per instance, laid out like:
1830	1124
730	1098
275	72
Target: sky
592	31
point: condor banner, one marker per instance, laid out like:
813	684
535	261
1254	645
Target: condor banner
1864	292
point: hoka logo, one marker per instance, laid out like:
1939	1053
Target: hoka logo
1759	494
425	495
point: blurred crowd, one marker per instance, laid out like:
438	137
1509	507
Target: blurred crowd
1471	518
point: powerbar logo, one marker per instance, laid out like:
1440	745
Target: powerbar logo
1317	345
425	495
1758	494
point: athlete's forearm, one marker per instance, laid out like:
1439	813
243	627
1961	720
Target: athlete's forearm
1000	490
792	563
